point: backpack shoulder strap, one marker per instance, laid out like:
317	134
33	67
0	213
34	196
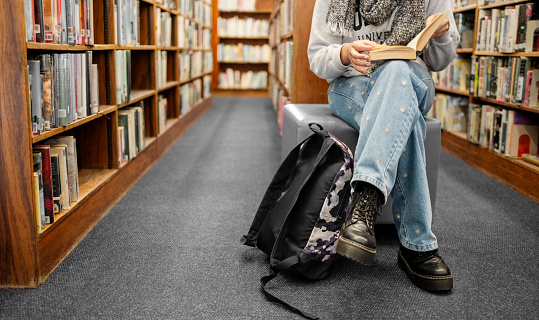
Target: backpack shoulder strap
272	193
283	266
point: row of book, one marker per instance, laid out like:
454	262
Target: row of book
131	132
194	64
463	3
237	5
513	28
243	53
191	94
164	28
123	76
456	76
242	27
63	87
465	26
198	10
170	4
502	130
161	58
192	35
127	22
59	21
56	180
506	79
281	63
235	79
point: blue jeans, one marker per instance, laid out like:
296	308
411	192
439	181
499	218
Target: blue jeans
388	109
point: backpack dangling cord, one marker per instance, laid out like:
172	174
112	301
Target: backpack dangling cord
283	266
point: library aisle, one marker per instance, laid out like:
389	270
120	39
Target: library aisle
170	248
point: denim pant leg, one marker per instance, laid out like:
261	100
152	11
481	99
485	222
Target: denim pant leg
389	109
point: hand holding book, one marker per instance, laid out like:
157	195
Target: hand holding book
437	25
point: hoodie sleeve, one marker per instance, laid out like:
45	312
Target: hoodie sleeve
440	51
324	49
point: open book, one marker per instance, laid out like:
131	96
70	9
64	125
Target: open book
409	51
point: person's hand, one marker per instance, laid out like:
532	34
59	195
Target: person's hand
351	54
442	28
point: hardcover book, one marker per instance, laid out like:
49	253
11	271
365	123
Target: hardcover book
39	185
61	152
409	51
56	182
73	172
46	173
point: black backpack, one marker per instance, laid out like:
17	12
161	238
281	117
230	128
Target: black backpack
300	216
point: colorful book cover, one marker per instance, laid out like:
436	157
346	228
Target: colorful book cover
46	172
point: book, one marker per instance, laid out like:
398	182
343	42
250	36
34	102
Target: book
37	212
61	152
73	172
39	183
126	119
36	96
521	134
56	183
46	172
409	51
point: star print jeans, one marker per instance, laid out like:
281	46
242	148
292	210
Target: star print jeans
387	109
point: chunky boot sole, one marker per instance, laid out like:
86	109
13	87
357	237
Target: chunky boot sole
354	251
429	283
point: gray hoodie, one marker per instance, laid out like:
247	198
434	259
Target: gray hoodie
324	50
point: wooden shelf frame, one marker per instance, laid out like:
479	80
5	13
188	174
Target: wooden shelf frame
29	257
263	10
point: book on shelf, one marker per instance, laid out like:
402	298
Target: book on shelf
474	123
61	152
520	133
409	51
39	184
465	27
46	173
56	182
126	119
59	21
73	171
122	156
36	83
37	209
140	138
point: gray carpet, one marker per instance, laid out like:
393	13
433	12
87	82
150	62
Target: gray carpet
170	249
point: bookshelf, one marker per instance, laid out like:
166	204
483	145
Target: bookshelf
240	42
511	171
28	256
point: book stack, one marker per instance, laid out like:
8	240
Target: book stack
123	76
242	27
63	88
508	29
62	22
127	17
131	132
57	184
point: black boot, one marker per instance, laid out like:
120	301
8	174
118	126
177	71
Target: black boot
357	241
427	270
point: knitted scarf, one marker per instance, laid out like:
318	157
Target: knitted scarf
408	22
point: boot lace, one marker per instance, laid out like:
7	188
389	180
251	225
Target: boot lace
367	206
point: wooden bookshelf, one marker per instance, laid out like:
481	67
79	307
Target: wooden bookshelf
512	172
262	11
27	257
